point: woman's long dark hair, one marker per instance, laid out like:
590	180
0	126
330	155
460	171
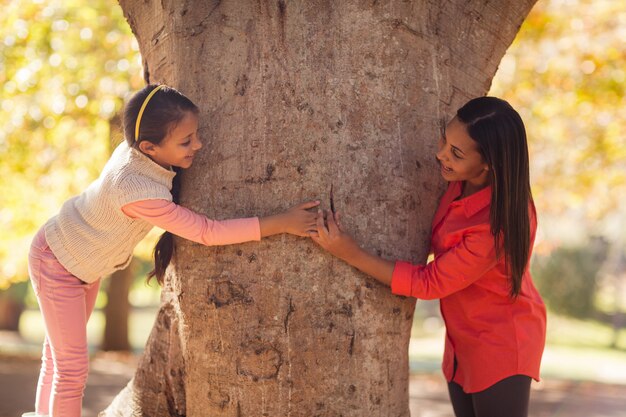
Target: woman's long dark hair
163	112
499	131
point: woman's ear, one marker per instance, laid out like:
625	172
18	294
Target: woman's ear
147	147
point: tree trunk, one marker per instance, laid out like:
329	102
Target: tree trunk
296	96
117	310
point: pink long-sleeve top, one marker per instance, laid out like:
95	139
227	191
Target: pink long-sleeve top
198	228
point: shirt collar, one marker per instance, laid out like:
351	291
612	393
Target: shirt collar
475	202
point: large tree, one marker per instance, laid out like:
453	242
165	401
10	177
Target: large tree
296	96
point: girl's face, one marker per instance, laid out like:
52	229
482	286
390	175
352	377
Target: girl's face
459	157
178	147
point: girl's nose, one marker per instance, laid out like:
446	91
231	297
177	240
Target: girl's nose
197	144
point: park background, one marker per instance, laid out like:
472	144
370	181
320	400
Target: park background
68	66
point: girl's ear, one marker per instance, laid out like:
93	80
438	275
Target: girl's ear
147	147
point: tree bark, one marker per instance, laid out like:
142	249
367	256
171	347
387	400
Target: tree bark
295	96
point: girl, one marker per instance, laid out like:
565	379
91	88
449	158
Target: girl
94	234
482	235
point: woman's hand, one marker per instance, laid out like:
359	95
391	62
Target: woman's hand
331	236
296	221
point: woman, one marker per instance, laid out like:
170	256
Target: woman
482	237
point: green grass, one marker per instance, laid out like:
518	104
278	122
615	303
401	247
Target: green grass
575	349
588	364
568	332
140	325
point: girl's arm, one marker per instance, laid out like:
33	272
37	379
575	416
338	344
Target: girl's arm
340	244
198	228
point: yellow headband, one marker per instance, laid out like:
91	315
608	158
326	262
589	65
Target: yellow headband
143	107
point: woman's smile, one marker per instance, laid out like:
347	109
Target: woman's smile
444	168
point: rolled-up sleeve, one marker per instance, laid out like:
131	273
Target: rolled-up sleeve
198	228
450	271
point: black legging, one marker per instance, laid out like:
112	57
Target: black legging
507	398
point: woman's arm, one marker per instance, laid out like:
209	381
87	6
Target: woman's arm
451	271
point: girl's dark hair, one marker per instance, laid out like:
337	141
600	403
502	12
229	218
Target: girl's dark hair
165	109
499	131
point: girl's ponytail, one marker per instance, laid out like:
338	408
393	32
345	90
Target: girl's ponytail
164	249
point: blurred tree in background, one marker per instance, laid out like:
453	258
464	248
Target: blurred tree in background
568	278
566	74
65	68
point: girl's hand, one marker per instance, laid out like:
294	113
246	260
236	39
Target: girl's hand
296	221
333	238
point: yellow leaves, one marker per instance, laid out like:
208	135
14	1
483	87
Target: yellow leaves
565	72
55	110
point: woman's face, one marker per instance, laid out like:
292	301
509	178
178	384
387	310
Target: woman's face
459	157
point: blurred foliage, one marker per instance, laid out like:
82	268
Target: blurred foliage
65	68
567	278
566	74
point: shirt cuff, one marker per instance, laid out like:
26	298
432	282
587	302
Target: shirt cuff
401	278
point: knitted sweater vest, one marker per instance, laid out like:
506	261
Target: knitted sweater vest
91	236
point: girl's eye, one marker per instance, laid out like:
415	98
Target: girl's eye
186	143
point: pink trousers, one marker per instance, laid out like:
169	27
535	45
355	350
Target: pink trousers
66	304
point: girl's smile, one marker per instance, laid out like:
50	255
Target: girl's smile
179	147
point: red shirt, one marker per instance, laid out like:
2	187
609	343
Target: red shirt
491	335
